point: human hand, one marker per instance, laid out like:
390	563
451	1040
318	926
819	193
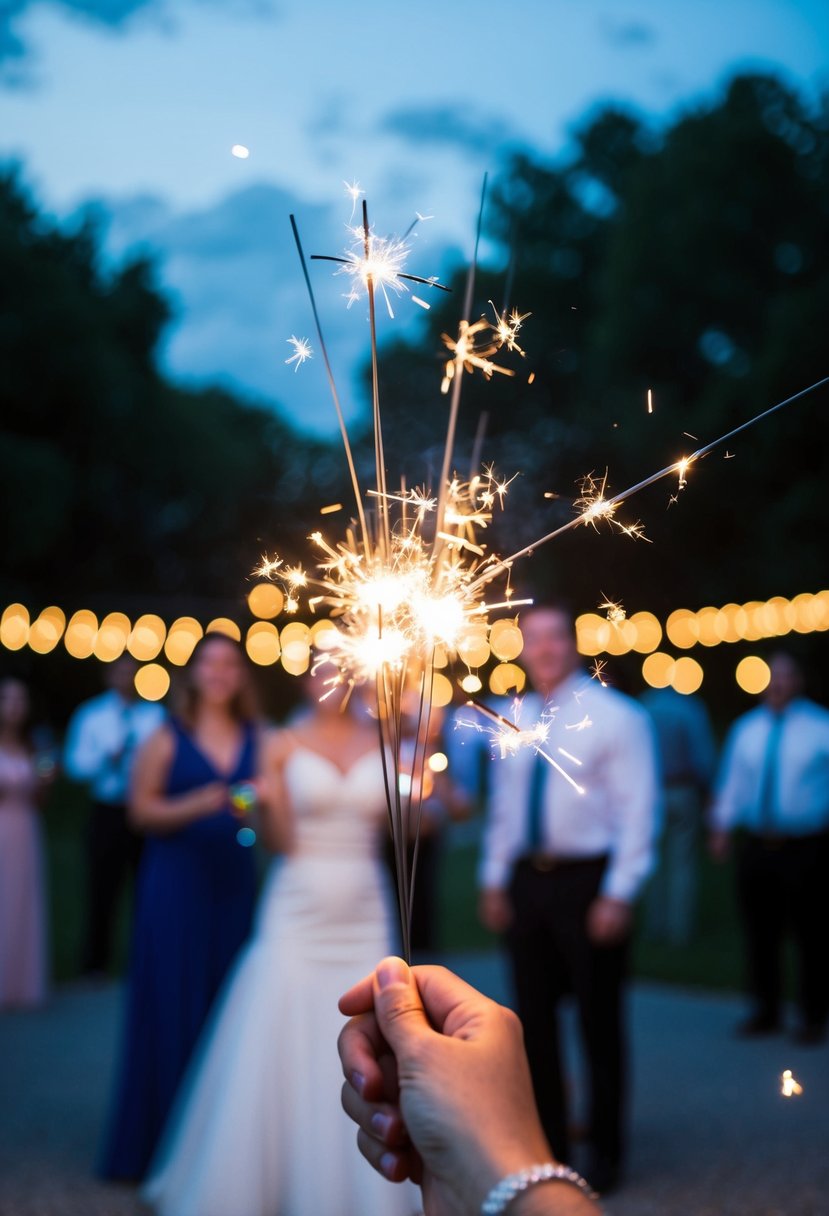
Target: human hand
495	909
719	845
212	797
438	1084
609	920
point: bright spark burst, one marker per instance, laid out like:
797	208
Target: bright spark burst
615	613
302	351
593	506
789	1087
353	190
506	328
393	605
476	343
379	262
597	671
508	737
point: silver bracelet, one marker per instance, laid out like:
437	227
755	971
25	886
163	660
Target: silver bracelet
503	1193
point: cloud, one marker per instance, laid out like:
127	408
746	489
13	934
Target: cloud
111	14
234	279
449	124
628	34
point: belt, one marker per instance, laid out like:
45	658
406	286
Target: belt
545	863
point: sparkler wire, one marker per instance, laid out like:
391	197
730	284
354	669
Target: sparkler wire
456	382
333	387
677	467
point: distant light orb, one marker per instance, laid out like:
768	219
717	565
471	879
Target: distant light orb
753	674
246	837
240	151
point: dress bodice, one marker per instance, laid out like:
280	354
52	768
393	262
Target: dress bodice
336	813
18	780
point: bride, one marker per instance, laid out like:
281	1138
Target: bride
262	1095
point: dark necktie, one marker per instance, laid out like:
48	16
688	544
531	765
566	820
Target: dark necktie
535	807
768	785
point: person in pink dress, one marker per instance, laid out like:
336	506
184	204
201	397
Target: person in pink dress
23	928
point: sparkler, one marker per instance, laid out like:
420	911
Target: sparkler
405	588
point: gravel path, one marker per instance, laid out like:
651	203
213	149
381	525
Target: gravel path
712	1136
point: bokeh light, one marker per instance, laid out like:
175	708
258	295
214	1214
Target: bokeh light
147	637
112	637
471	684
81	633
262	643
14	627
648	632
46	631
506	678
682	629
753	674
438	762
152	682
442	692
184	633
658	669
224	625
266	601
506	640
686	676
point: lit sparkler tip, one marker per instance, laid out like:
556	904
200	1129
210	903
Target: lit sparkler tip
268	566
302	351
789	1087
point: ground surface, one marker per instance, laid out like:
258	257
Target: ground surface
712	1136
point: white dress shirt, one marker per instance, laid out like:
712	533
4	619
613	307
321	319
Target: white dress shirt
102	739
799	798
616	814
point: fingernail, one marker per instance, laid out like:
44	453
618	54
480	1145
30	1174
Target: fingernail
392	971
358	1081
388	1163
381	1124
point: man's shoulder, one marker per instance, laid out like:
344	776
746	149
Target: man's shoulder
614	705
94	707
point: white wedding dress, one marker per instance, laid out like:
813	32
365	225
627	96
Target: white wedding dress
258	1129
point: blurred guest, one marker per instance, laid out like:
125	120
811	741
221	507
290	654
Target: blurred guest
263	1095
195	892
23	912
687	757
102	738
774	785
560	872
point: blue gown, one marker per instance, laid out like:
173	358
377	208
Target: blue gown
194	906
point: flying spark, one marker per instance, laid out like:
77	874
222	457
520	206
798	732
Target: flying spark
302	351
789	1087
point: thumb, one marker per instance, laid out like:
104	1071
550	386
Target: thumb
397	1006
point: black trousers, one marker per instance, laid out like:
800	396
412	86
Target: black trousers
551	956
113	851
783	887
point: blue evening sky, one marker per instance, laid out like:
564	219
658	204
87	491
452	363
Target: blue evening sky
132	106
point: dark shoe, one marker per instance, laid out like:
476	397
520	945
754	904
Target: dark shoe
757	1026
810	1035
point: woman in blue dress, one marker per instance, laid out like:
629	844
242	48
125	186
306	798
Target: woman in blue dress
195	896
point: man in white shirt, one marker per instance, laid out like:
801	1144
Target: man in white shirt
774	786
102	738
561	869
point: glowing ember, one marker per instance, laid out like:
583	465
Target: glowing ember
789	1087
